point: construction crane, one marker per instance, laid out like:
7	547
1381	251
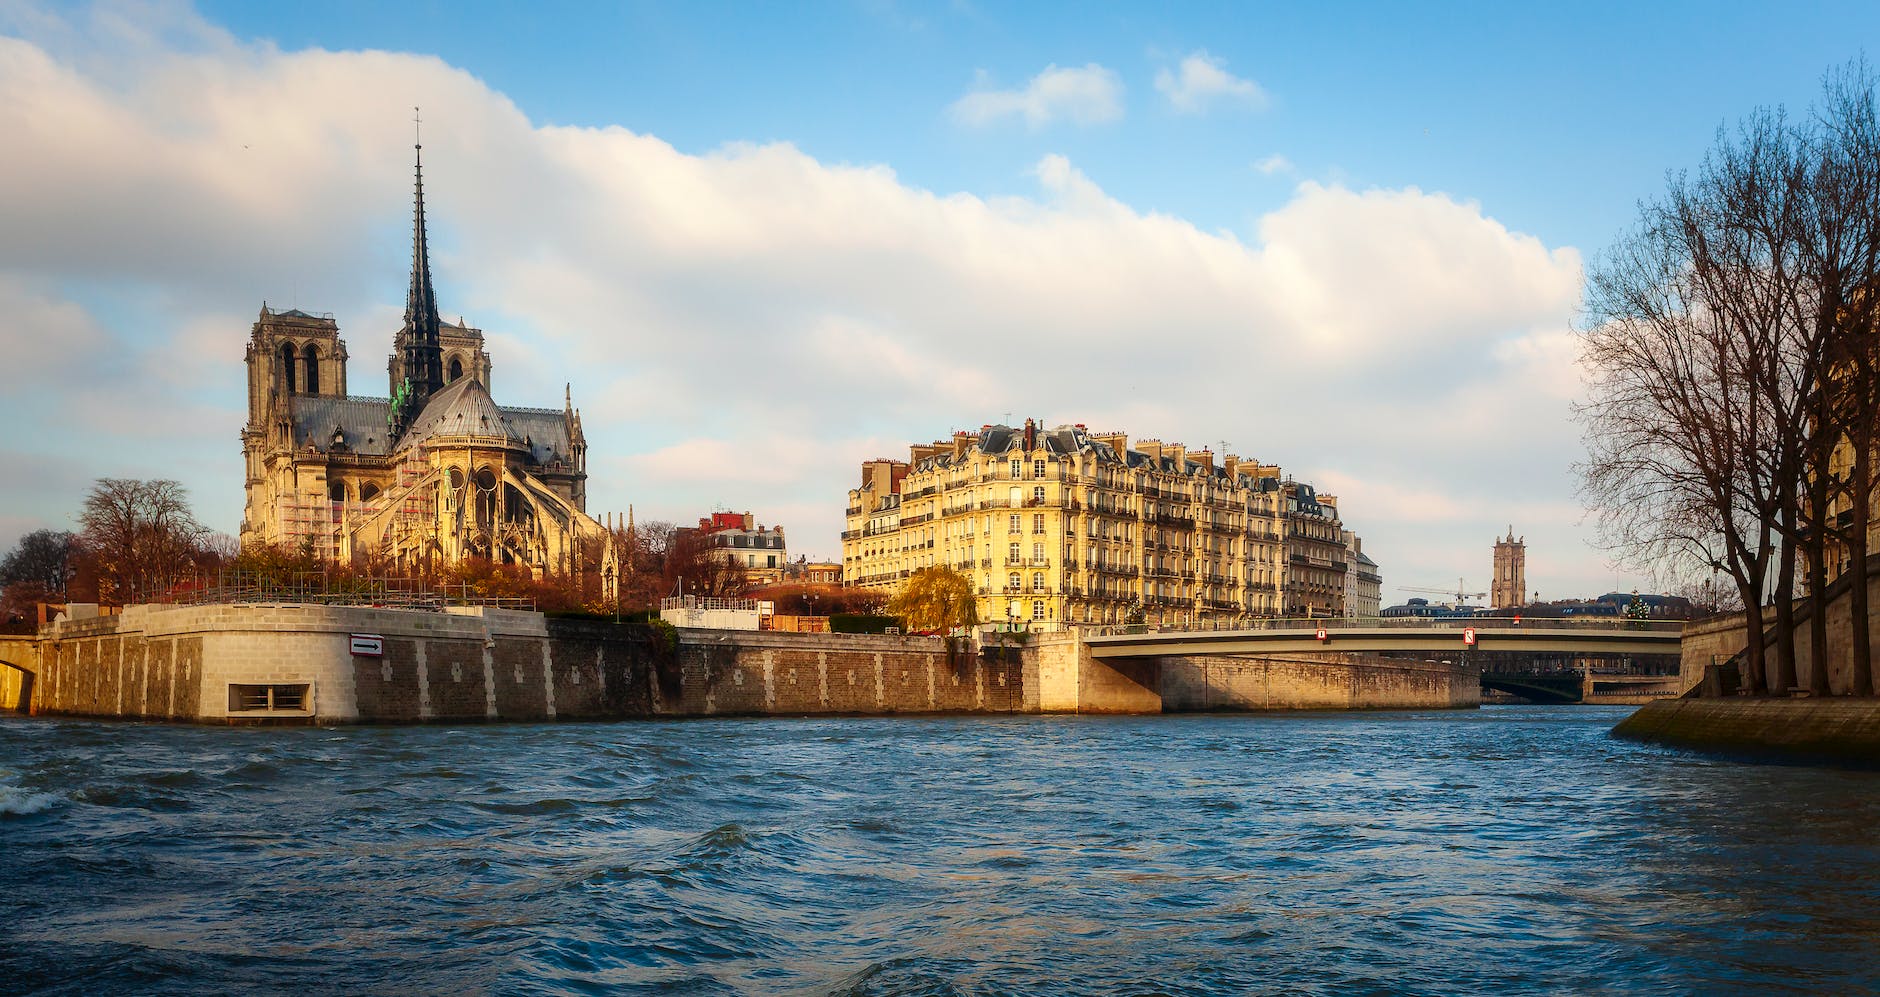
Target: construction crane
1460	592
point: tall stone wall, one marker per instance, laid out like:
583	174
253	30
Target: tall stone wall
1716	641
1708	642
203	663
1327	682
179	663
748	672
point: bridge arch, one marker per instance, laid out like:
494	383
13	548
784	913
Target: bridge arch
16	684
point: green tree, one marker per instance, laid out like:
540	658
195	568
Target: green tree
936	598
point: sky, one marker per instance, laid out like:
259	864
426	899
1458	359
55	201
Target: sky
763	243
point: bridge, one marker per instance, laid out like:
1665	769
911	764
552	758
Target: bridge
19	665
1441	636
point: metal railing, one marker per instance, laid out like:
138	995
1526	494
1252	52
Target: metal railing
326	589
1335	623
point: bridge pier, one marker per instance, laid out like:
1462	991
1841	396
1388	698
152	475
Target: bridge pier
1069	679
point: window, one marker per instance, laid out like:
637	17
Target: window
1014	582
287	366
313	370
1037	495
1037	522
1037	469
1012	524
1037	610
1037	581
258	698
1011	552
1037	552
1018	467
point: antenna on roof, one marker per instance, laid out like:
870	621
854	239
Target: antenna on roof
417	129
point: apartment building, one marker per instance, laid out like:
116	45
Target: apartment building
1062	525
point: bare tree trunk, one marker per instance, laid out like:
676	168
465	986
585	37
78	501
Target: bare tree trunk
1755	656
1860	676
1816	550
1784	678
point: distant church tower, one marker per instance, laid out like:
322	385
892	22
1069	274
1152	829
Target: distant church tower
1509	588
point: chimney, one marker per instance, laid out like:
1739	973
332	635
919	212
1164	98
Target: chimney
1118	442
1031	436
1231	464
961	440
1178	454
1205	458
1153	448
879	475
749	521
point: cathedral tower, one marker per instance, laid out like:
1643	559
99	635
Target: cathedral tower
1509	589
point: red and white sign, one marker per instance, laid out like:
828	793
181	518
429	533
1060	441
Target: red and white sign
368	646
1323	636
1468	636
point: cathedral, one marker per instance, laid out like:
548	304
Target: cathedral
435	473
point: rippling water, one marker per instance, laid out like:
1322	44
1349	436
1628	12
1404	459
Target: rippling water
1510	849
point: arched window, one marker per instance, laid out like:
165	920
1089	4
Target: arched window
1012	582
485	504
456	368
287	366
368	492
336	490
313	370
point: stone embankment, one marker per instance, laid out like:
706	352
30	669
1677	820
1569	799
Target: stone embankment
321	664
1710	716
1841	730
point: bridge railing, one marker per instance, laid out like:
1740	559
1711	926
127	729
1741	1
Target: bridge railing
1406	623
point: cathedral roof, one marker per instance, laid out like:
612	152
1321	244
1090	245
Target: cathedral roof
361	421
462	409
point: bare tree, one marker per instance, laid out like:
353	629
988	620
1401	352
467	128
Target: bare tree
1728	349
142	534
1843	260
42	558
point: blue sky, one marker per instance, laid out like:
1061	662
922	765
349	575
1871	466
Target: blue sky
1557	117
766	242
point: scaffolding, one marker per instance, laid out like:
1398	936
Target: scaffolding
324	588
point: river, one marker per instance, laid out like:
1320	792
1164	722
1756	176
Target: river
1506	850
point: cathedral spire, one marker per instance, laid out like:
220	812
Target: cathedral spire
419	352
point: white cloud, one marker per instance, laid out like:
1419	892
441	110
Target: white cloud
1201	80
1086	95
746	325
1275	163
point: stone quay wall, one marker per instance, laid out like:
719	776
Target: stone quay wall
1331	682
297	664
187	663
1846	730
